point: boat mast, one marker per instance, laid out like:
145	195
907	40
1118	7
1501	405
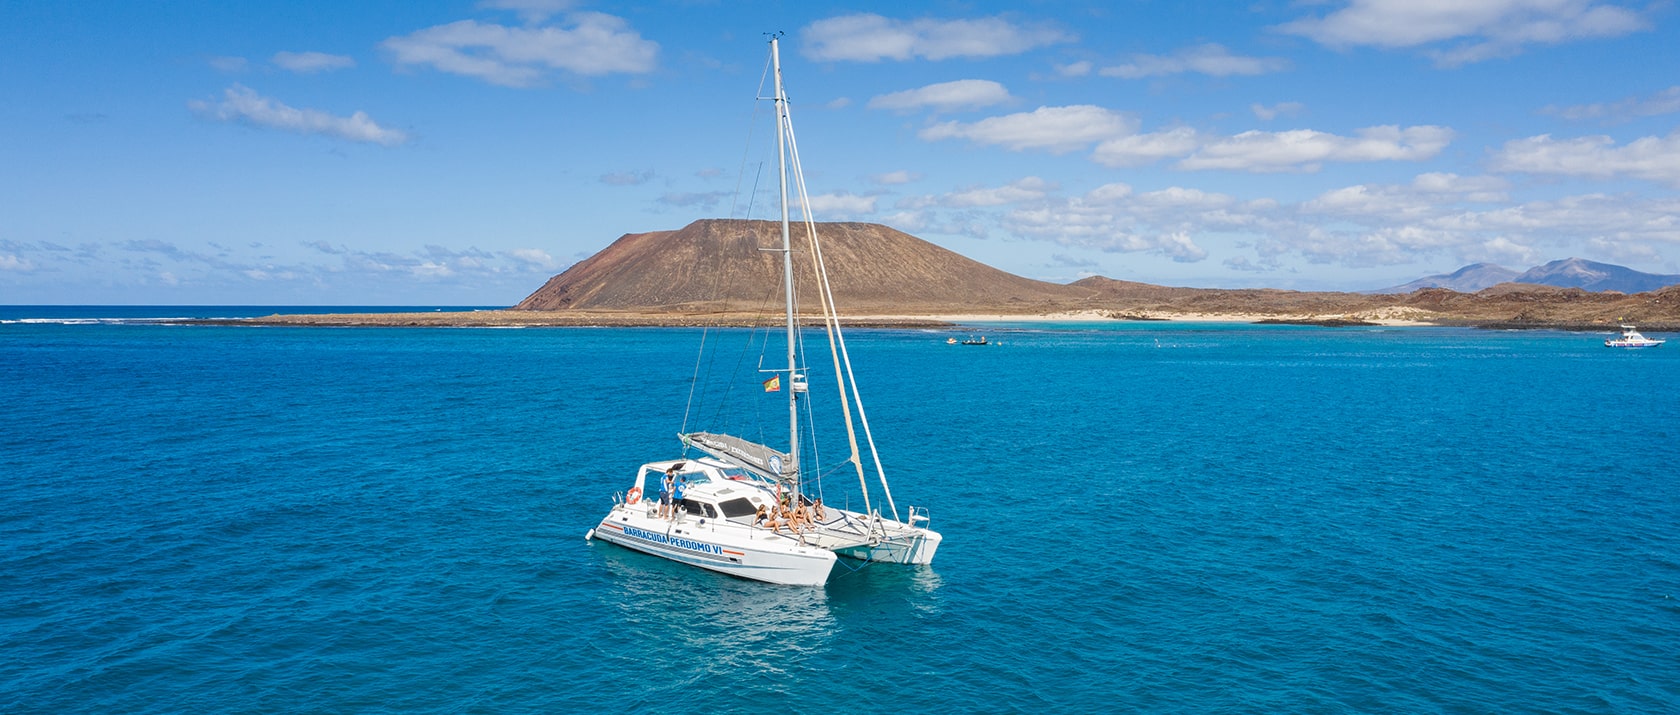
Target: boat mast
787	266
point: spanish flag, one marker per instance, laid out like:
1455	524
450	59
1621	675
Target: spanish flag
773	384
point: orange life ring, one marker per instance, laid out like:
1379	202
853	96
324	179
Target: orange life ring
633	496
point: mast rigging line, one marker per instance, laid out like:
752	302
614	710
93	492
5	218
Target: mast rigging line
836	338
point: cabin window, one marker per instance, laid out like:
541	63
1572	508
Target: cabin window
699	508
738	507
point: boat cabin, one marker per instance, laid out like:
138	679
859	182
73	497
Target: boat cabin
714	489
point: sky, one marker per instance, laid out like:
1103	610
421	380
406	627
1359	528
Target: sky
460	153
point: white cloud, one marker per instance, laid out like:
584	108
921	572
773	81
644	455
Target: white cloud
1063	129
10	262
1209	59
1140	149
945	96
1500	250
1180	248
1108	193
1054	129
308	270
1114	219
840	204
1281	109
1180	197
1470	219
908	221
1597	157
1664	102
593	44
533	257
242	104
872	38
1465	218
1026	189
1429	196
1306	149
1076	223
1081	68
311	62
1485	28
896	177
1481	189
1619	252
431	269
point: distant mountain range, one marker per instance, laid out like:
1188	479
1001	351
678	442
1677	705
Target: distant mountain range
1567	273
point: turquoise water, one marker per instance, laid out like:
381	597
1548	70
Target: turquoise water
1137	517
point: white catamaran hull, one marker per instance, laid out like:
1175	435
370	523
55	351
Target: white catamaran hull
911	549
859	536
718	545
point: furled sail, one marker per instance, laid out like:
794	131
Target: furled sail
751	455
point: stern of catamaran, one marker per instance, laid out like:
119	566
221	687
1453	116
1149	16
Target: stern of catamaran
914	547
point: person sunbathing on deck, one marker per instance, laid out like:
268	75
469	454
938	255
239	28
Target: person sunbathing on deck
769	520
785	517
798	518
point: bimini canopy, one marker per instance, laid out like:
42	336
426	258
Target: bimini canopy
763	460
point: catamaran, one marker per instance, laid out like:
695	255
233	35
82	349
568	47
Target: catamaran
744	507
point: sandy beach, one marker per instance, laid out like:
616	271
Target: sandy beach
1395	316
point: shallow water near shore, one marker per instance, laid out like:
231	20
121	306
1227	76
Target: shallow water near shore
1146	517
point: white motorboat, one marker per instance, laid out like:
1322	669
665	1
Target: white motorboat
1632	339
747	509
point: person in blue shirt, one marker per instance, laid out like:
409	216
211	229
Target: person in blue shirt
677	494
665	494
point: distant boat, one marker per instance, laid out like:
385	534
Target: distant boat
976	341
1632	339
950	341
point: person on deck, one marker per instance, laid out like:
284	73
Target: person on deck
795	518
677	494
665	494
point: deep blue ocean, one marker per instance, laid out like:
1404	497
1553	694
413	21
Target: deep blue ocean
1138	517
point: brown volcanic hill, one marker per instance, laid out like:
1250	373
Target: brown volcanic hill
718	269
720	265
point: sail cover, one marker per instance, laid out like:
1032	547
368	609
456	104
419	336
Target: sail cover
752	455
